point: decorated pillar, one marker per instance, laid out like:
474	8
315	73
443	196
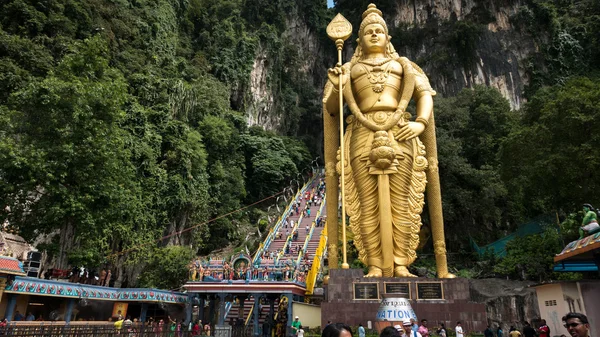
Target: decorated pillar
144	312
290	314
211	309
201	311
69	310
3	281
256	312
10	306
222	308
188	310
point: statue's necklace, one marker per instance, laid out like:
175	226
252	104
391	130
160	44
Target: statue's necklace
377	76
378	62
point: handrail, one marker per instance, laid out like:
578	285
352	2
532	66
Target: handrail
249	314
311	278
228	306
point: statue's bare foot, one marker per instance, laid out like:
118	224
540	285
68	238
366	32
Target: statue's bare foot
374	272
401	271
446	275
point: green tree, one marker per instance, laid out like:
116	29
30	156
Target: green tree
549	159
470	128
64	158
167	268
531	257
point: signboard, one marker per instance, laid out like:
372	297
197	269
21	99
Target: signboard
397	288
366	291
430	291
395	309
120	309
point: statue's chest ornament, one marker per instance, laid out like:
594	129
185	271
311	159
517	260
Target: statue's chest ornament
378	75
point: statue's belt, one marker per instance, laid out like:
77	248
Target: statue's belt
379	117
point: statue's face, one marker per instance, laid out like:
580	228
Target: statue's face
374	39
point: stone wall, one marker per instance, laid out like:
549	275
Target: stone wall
340	305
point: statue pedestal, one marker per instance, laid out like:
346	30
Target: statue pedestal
352	299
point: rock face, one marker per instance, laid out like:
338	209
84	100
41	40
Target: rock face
507	303
431	33
500	49
262	95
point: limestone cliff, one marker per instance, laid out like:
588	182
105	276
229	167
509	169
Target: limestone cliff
499	51
459	44
507	303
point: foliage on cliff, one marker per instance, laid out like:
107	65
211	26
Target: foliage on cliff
124	121
120	123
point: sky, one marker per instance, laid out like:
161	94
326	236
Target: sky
329	3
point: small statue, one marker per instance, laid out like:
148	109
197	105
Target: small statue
589	225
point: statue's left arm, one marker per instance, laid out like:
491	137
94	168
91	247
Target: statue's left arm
422	96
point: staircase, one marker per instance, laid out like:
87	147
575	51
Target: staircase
285	249
246	312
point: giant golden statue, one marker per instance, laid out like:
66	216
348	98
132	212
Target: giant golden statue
388	156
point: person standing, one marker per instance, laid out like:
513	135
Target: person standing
442	330
528	331
415	326
544	330
108	277
514	332
423	328
296	323
499	332
459	330
266	327
361	330
30	317
407	329
18	316
488	332
577	324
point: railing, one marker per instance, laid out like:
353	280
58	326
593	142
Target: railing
250	314
311	278
105	330
228	306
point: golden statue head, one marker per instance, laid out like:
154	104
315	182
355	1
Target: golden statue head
373	35
370	16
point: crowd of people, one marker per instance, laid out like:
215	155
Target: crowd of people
576	324
287	271
172	327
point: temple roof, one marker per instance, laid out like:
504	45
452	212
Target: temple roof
41	287
14	245
10	266
580	250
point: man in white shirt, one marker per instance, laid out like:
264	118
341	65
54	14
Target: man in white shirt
408	332
459	330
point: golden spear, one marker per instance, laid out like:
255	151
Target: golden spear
339	30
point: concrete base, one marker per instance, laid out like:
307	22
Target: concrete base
341	306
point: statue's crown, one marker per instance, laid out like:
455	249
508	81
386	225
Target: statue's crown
372	15
372	8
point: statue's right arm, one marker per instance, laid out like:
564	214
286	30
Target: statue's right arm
333	74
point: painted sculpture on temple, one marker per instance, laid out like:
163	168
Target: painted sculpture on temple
388	156
589	225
